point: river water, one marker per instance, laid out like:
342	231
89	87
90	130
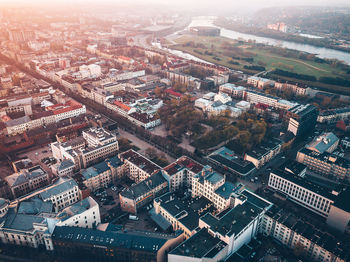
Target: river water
319	51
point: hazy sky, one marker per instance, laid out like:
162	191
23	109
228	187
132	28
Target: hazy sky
231	3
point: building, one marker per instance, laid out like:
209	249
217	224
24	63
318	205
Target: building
303	192
333	115
218	237
263	153
232	90
222	97
295	233
215	188
84	214
110	244
339	214
228	160
182	215
31	221
326	142
96	144
301	119
180	173
296	88
143	193
202	246
327	164
259	82
103	174
136	166
62	194
240	224
255	97
27	180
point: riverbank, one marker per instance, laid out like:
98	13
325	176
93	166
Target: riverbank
244	57
313	41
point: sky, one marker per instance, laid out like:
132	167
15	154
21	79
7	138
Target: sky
205	7
262	3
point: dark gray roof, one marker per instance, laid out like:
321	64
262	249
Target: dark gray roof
111	239
200	245
264	148
186	212
228	159
21	222
58	189
144	186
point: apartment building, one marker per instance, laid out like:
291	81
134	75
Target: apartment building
215	188
143	193
255	97
96	144
259	82
62	194
180	173
31	222
182	215
333	115
296	88
52	114
263	153
27	180
303	192
136	166
232	90
339	214
222	236
295	233
327	164
101	175
84	214
92	244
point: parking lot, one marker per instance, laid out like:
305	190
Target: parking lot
38	155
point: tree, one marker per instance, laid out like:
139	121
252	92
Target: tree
124	144
244	137
151	152
158	92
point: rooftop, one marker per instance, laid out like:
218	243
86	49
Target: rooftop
25	176
187	212
58	189
264	148
77	208
140	161
234	221
328	158
323	142
144	187
209	246
231	161
110	239
183	162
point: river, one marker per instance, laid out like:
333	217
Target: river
319	51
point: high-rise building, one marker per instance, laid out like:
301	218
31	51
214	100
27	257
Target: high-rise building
301	119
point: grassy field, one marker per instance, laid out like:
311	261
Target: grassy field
270	60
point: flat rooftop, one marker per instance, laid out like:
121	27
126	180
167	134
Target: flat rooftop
200	245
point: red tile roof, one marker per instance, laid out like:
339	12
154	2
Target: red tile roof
183	162
173	93
122	105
